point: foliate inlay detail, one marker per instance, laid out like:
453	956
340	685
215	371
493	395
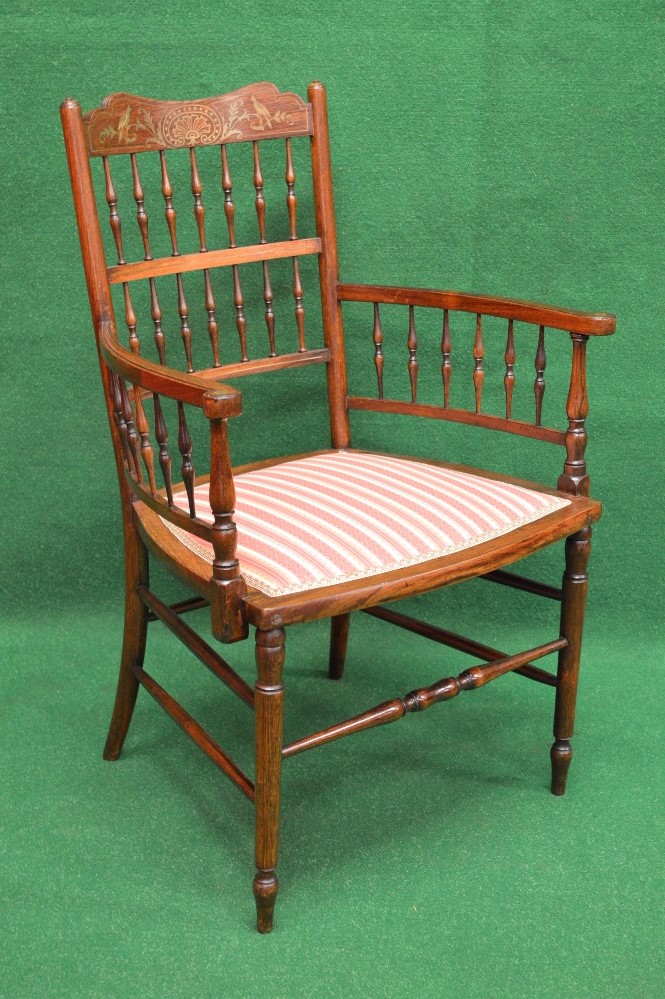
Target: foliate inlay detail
125	122
192	125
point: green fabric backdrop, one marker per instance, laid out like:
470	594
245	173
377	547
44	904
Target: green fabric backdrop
507	147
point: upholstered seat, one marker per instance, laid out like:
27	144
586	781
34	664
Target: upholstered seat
338	516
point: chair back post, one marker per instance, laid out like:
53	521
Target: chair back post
333	329
94	261
575	479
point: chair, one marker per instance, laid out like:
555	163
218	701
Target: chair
311	536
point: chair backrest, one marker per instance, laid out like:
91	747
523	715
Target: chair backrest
148	134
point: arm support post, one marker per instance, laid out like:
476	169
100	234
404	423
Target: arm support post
228	588
574	478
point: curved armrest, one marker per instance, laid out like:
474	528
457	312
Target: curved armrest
217	401
589	324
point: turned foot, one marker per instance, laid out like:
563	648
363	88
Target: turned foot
561	754
265	888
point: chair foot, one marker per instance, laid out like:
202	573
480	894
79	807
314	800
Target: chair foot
561	754
339	637
265	888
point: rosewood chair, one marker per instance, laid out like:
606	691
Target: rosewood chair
309	536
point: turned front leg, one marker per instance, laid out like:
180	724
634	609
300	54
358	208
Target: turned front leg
268	706
574	591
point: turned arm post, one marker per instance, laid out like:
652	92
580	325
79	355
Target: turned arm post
574	478
228	588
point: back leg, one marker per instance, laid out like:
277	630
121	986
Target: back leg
339	637
133	644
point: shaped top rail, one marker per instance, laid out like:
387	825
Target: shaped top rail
126	123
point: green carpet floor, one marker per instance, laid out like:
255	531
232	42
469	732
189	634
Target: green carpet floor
509	147
424	859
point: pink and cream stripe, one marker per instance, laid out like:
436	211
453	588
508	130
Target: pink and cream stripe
343	515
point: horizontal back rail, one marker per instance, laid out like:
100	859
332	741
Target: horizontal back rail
129	123
207	259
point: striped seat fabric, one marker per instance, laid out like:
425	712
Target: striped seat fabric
334	517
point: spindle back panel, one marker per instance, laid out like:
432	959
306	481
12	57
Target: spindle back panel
206	258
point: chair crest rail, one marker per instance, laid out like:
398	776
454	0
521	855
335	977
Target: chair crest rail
129	123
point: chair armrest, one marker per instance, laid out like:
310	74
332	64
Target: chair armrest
216	400
579	325
587	323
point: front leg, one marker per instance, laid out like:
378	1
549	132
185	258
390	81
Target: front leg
269	712
575	583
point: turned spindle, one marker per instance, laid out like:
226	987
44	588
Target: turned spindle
114	218
446	364
162	437
539	383
132	436
260	205
412	344
130	321
229	207
185	448
213	326
377	337
143	429
197	192
185	331
169	210
478	354
119	416
509	377
292	202
141	215
156	313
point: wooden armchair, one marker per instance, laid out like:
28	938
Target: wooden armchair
307	536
